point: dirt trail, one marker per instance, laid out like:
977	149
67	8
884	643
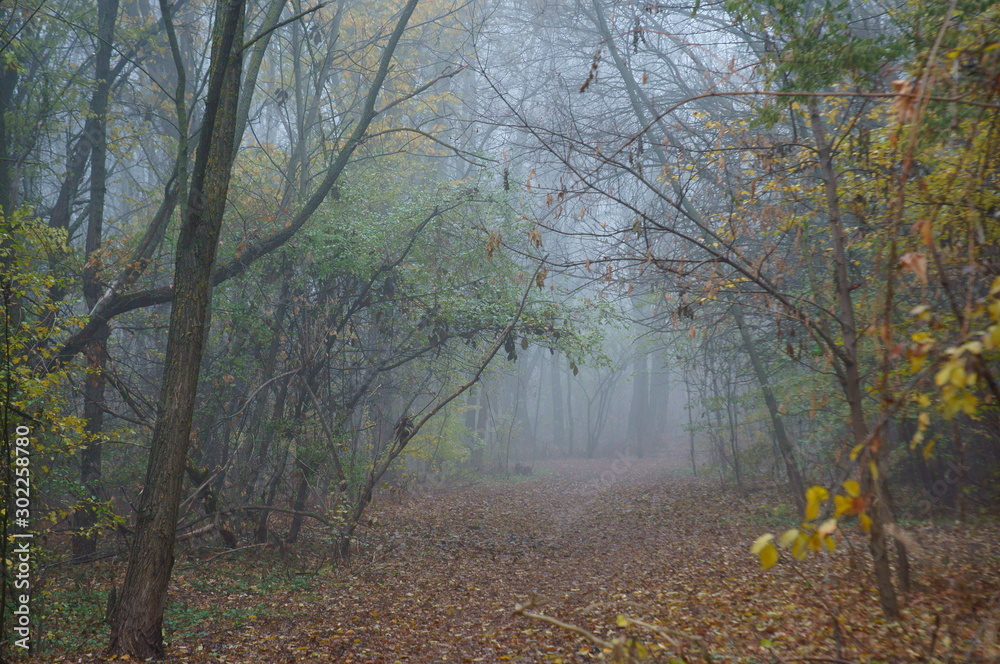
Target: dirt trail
437	577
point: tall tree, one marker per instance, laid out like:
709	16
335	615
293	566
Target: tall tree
85	541
558	422
137	617
795	482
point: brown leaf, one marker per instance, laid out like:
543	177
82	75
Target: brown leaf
905	103
916	263
924	228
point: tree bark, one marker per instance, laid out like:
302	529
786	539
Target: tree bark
659	402
639	411
795	482
570	432
137	617
85	518
85	543
299	505
558	424
8	181
851	377
689	407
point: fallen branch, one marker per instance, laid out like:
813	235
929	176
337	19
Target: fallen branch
620	647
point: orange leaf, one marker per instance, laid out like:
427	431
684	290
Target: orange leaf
915	263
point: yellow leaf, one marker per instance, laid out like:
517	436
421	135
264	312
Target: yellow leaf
768	556
929	449
856	450
788	538
799	547
622	621
831	544
842	504
873	467
960	401
958	376
852	488
944	374
828	528
814	496
866	522
995	287
760	543
974	347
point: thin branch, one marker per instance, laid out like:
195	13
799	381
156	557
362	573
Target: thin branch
265	33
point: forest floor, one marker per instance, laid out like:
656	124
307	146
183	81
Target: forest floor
437	578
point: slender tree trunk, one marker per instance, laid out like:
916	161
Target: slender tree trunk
85	543
720	448
299	504
85	518
270	494
482	416
534	420
659	402
639	411
796	484
569	414
732	415
137	617
961	479
8	181
852	382
524	385
470	422
558	425
690	409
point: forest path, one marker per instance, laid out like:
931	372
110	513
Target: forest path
436	579
438	576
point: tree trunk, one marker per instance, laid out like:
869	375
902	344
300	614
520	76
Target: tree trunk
137	617
569	414
299	504
475	446
8	181
690	409
851	377
85	542
558	424
85	518
639	411
795	482
659	402
732	415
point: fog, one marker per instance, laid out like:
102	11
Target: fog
273	271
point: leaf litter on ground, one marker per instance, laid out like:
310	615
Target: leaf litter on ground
609	547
